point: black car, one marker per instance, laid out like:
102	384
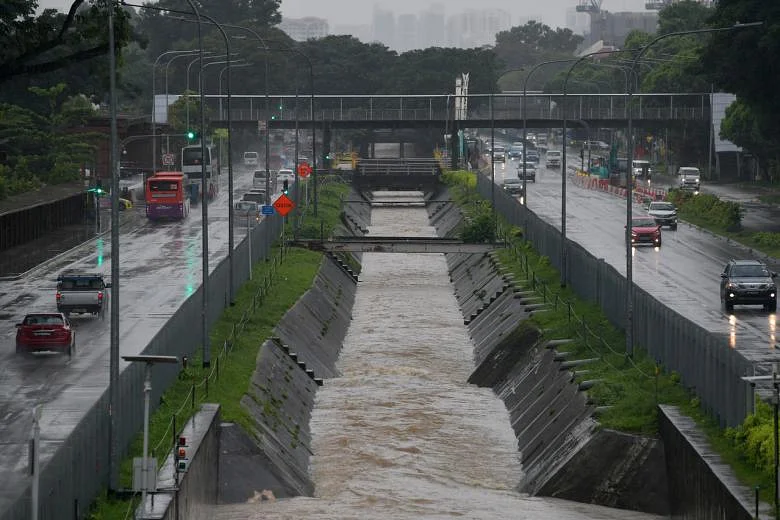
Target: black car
748	282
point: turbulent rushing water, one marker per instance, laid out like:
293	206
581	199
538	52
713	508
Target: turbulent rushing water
400	434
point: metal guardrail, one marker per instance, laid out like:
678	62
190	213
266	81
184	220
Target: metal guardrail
480	107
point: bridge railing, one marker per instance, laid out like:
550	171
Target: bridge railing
478	107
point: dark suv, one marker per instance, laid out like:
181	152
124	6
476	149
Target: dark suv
748	282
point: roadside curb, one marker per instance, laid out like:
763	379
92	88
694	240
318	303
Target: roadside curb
47	262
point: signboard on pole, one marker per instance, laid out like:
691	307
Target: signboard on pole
168	159
267	210
261	126
304	169
283	205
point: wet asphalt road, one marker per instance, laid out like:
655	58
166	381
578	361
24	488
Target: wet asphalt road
160	268
684	273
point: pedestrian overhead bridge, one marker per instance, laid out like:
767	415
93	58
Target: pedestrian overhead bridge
505	110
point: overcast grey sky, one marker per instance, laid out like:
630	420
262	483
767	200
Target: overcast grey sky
338	12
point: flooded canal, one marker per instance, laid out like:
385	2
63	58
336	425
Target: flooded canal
400	434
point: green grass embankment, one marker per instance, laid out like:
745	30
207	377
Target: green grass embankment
631	387
276	286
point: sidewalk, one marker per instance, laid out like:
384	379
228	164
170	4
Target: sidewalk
758	216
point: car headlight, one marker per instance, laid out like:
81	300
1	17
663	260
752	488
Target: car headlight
731	286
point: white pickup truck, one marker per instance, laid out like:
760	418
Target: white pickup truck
82	293
689	178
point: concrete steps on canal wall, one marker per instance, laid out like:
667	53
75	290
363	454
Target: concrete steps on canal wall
564	451
290	367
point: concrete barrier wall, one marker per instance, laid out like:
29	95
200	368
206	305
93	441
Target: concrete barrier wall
701	485
561	446
702	358
290	367
84	452
198	486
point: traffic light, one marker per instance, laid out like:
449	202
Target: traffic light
192	134
181	455
98	189
285	186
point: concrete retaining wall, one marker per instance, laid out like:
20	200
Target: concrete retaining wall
701	485
198	486
290	367
558	438
703	358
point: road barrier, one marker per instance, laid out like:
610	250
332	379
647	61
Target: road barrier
703	359
641	193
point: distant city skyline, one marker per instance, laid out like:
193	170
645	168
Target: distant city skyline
360	12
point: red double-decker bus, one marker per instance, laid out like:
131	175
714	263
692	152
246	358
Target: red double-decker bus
166	196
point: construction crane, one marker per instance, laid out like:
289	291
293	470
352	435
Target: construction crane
589	6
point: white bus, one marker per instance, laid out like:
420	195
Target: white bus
192	166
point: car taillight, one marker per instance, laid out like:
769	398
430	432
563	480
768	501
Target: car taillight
100	296
59	296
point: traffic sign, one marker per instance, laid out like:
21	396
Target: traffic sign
267	210
304	169
261	126
168	159
283	205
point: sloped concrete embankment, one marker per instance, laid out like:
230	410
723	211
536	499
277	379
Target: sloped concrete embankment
564	452
272	458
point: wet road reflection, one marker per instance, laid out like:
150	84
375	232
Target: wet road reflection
400	434
160	267
684	273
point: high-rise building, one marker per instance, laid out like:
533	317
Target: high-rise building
576	22
360	31
302	29
475	28
383	27
431	32
406	33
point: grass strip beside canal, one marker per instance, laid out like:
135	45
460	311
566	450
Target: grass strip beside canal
281	281
629	388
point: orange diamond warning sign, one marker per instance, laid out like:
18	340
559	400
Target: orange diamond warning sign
283	205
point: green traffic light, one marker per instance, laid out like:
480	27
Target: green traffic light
190	135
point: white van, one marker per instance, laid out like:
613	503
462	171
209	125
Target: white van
250	158
552	159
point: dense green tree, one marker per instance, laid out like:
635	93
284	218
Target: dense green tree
45	148
33	43
166	30
742	62
524	46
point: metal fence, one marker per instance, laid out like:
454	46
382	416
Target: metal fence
79	468
704	360
480	107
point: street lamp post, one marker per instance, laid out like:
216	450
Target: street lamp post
267	133
525	122
114	334
221	71
629	180
564	266
148	361
154	102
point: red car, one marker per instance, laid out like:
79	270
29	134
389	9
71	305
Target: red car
644	230
49	332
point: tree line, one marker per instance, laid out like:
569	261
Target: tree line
67	51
